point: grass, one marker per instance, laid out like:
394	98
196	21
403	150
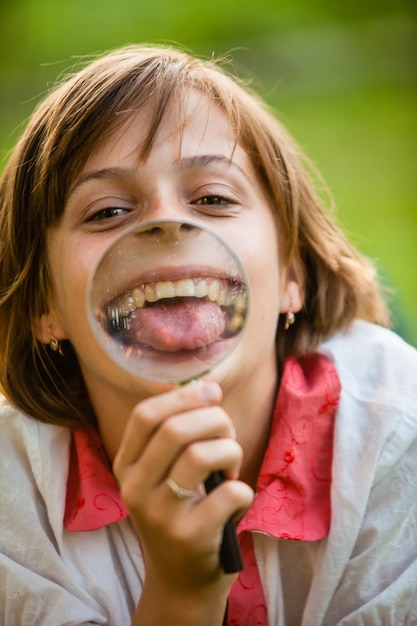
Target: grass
363	142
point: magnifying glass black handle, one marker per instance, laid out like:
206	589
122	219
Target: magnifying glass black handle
230	555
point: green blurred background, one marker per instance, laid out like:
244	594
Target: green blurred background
342	76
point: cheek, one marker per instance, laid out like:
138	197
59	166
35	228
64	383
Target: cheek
262	267
262	259
265	295
70	271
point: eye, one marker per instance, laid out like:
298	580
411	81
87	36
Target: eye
107	213
213	200
208	203
216	205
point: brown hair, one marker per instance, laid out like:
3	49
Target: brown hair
340	284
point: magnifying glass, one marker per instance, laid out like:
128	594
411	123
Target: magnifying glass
168	301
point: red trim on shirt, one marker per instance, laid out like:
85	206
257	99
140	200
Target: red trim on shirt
93	496
293	488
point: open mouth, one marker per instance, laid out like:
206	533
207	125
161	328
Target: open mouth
175	315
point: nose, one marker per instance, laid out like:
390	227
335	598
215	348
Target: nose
167	230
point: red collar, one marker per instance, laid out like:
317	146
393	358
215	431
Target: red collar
93	497
293	491
293	488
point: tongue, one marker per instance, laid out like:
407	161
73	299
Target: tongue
179	325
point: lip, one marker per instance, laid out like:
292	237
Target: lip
203	353
161	274
171	367
182	272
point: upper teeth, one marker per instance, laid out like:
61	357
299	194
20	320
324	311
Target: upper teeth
222	292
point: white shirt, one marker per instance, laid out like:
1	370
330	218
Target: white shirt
363	574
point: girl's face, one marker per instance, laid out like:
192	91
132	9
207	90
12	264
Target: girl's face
196	174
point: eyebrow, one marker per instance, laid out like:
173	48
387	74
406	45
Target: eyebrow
185	163
206	160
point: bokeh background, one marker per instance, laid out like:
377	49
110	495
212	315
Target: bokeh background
341	75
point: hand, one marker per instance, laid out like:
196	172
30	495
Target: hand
183	434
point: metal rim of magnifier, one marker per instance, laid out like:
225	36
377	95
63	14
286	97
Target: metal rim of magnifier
148	225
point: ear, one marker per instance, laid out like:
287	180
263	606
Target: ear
48	327
293	291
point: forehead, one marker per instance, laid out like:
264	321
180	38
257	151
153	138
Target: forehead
192	124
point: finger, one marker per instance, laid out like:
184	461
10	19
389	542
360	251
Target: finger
149	414
208	516
177	435
229	500
196	526
202	458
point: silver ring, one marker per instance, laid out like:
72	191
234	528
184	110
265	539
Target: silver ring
178	491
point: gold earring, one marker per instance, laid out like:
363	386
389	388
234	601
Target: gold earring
289	318
55	345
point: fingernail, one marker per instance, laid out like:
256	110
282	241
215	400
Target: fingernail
209	391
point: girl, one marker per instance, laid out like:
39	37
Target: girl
103	519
